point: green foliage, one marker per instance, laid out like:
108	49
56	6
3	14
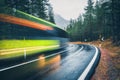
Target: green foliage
98	21
50	14
75	29
38	8
115	12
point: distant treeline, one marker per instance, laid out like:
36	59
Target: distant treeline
38	8
101	20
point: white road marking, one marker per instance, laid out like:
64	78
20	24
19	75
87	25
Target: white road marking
24	63
24	53
86	71
29	61
11	51
78	51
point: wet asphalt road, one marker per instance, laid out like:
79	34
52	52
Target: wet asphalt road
71	63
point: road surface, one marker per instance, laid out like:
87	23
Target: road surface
75	62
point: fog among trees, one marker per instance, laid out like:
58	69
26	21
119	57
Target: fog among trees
100	21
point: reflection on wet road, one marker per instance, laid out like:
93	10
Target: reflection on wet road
66	64
50	61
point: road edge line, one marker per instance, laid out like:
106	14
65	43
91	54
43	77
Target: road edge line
86	71
24	63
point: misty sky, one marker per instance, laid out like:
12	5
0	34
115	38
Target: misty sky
68	8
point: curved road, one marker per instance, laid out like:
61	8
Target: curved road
75	62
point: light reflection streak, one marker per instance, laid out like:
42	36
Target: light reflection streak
23	22
43	62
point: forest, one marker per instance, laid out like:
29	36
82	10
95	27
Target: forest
99	22
38	8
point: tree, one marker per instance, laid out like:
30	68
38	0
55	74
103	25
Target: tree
50	14
38	8
115	21
88	18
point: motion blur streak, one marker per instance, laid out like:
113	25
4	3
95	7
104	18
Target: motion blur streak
55	60
23	22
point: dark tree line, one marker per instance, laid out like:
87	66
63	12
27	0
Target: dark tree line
100	20
38	8
115	11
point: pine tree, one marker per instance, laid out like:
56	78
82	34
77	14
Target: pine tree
88	18
115	20
50	14
38	8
